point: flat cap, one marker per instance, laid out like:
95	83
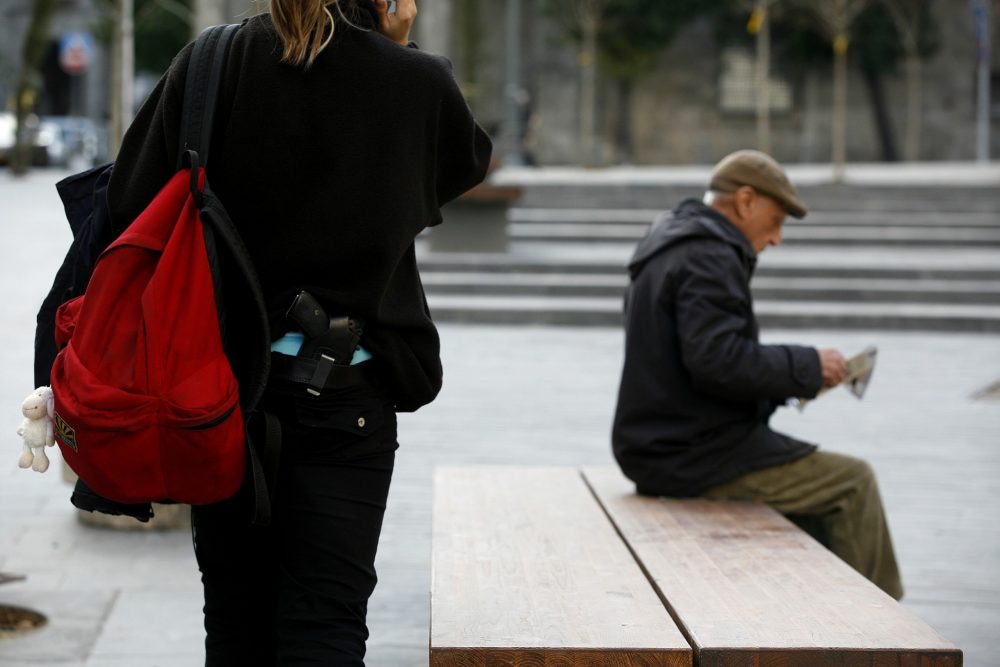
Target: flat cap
761	172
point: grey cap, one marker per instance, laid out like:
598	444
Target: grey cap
761	172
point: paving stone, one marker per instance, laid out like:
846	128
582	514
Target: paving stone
153	624
147	661
397	656
75	621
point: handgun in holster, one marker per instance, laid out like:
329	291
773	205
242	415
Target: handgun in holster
330	341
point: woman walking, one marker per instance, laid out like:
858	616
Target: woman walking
336	142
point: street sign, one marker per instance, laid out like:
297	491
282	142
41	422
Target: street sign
76	50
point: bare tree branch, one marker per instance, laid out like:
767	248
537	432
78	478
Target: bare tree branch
907	22
170	6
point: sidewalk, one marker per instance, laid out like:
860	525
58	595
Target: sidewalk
523	395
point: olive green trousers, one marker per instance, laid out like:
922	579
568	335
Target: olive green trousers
835	498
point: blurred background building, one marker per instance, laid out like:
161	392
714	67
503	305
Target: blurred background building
600	82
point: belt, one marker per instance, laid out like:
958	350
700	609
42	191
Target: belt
322	373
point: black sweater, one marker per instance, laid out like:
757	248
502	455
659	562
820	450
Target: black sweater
329	174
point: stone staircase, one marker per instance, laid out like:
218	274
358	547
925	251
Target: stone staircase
866	257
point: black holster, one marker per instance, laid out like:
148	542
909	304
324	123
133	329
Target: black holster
329	342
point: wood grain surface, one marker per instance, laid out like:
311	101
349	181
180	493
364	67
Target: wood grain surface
527	570
750	589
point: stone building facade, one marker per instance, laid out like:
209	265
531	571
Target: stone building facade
679	113
683	111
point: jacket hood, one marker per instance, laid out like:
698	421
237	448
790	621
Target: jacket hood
692	219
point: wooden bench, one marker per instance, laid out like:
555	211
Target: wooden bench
548	566
527	570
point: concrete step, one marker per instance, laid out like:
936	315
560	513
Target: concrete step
802	262
836	285
799	233
847	198
855	290
971	219
593	311
887	291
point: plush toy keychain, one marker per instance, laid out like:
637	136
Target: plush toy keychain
36	429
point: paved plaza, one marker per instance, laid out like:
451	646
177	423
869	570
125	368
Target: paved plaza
513	395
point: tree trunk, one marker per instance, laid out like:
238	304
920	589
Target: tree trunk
122	73
914	106
981	10
883	123
763	76
588	86
470	38
206	13
908	23
433	28
839	134
623	126
516	95
28	83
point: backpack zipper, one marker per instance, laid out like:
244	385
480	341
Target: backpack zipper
215	422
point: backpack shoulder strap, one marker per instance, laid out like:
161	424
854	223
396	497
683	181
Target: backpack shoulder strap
201	90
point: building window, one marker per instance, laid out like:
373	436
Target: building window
738	85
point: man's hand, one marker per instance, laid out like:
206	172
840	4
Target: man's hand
834	366
396	26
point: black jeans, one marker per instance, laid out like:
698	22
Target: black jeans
296	592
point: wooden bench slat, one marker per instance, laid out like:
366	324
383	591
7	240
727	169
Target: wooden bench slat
749	588
527	570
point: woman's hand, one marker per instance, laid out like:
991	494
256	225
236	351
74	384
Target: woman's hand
396	26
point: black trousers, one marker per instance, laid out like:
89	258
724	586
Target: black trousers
296	592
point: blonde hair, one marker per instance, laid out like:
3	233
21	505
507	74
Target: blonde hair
305	28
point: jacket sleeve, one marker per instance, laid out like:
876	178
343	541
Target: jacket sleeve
714	316
148	155
462	149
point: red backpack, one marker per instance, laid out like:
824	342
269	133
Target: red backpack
147	406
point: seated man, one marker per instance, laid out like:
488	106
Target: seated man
698	388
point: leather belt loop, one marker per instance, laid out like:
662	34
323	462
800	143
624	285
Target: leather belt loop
322	373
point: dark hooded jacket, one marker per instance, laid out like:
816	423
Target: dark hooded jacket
698	388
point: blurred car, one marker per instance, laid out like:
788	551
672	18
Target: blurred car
8	125
69	141
53	149
63	141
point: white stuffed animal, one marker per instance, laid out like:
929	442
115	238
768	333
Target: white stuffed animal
36	429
